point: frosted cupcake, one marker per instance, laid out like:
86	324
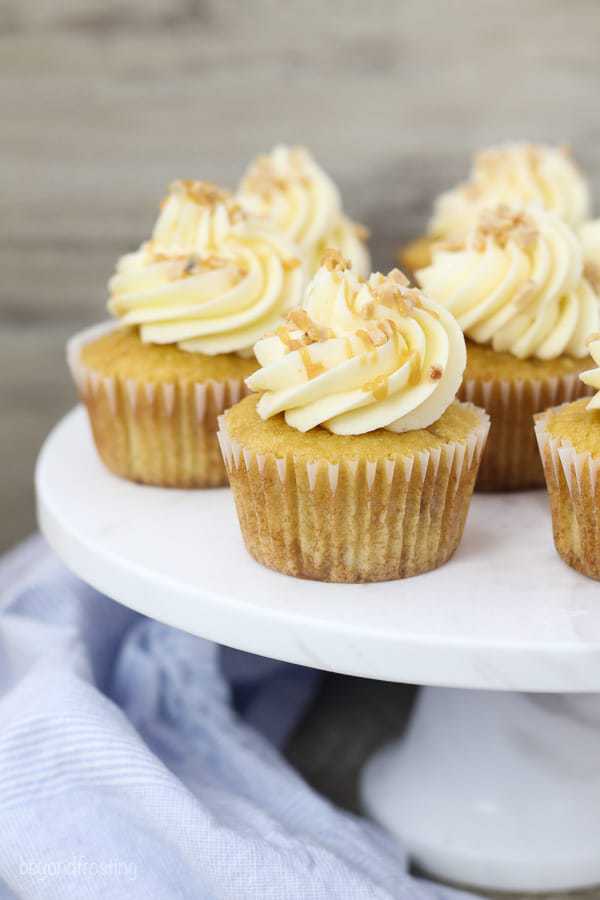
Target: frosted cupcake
354	463
288	189
569	442
516	174
190	304
519	290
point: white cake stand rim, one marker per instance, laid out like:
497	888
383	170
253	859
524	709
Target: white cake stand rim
88	561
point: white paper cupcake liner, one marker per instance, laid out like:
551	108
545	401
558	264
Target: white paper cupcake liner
573	482
161	433
511	460
355	520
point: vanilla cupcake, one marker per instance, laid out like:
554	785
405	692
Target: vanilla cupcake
288	189
516	174
189	304
519	290
569	442
354	462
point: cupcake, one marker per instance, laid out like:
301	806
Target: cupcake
569	442
288	189
352	462
516	174
519	289
189	305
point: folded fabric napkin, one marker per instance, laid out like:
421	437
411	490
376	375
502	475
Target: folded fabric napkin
127	769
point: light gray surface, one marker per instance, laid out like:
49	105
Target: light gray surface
103	102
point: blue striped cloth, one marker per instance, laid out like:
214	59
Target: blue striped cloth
126	771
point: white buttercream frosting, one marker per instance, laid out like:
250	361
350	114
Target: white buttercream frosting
211	279
516	174
360	355
592	376
291	191
517	283
589	234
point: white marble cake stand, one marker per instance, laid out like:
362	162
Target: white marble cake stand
489	787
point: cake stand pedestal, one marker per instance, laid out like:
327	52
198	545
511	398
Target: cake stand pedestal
497	786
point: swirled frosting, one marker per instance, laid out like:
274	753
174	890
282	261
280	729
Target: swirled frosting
210	280
592	376
360	355
288	189
517	175
589	234
518	283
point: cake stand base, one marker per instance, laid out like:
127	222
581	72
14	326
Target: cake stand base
495	790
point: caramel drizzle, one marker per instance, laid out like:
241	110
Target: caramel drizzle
312	368
379	387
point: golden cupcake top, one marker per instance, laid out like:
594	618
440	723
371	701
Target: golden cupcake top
518	282
288	189
592	376
211	279
359	355
517	174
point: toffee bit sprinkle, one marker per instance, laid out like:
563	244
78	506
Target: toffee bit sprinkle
334	261
291	342
502	224
203	192
181	267
378	337
300	318
398	277
290	264
192	264
435	373
591	271
592	338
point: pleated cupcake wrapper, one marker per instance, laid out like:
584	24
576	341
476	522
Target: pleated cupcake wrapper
511	460
154	433
573	481
355	520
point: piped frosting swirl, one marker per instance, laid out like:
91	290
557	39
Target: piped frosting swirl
517	283
517	174
288	189
210	280
360	355
592	376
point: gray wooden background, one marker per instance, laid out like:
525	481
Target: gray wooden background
103	102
